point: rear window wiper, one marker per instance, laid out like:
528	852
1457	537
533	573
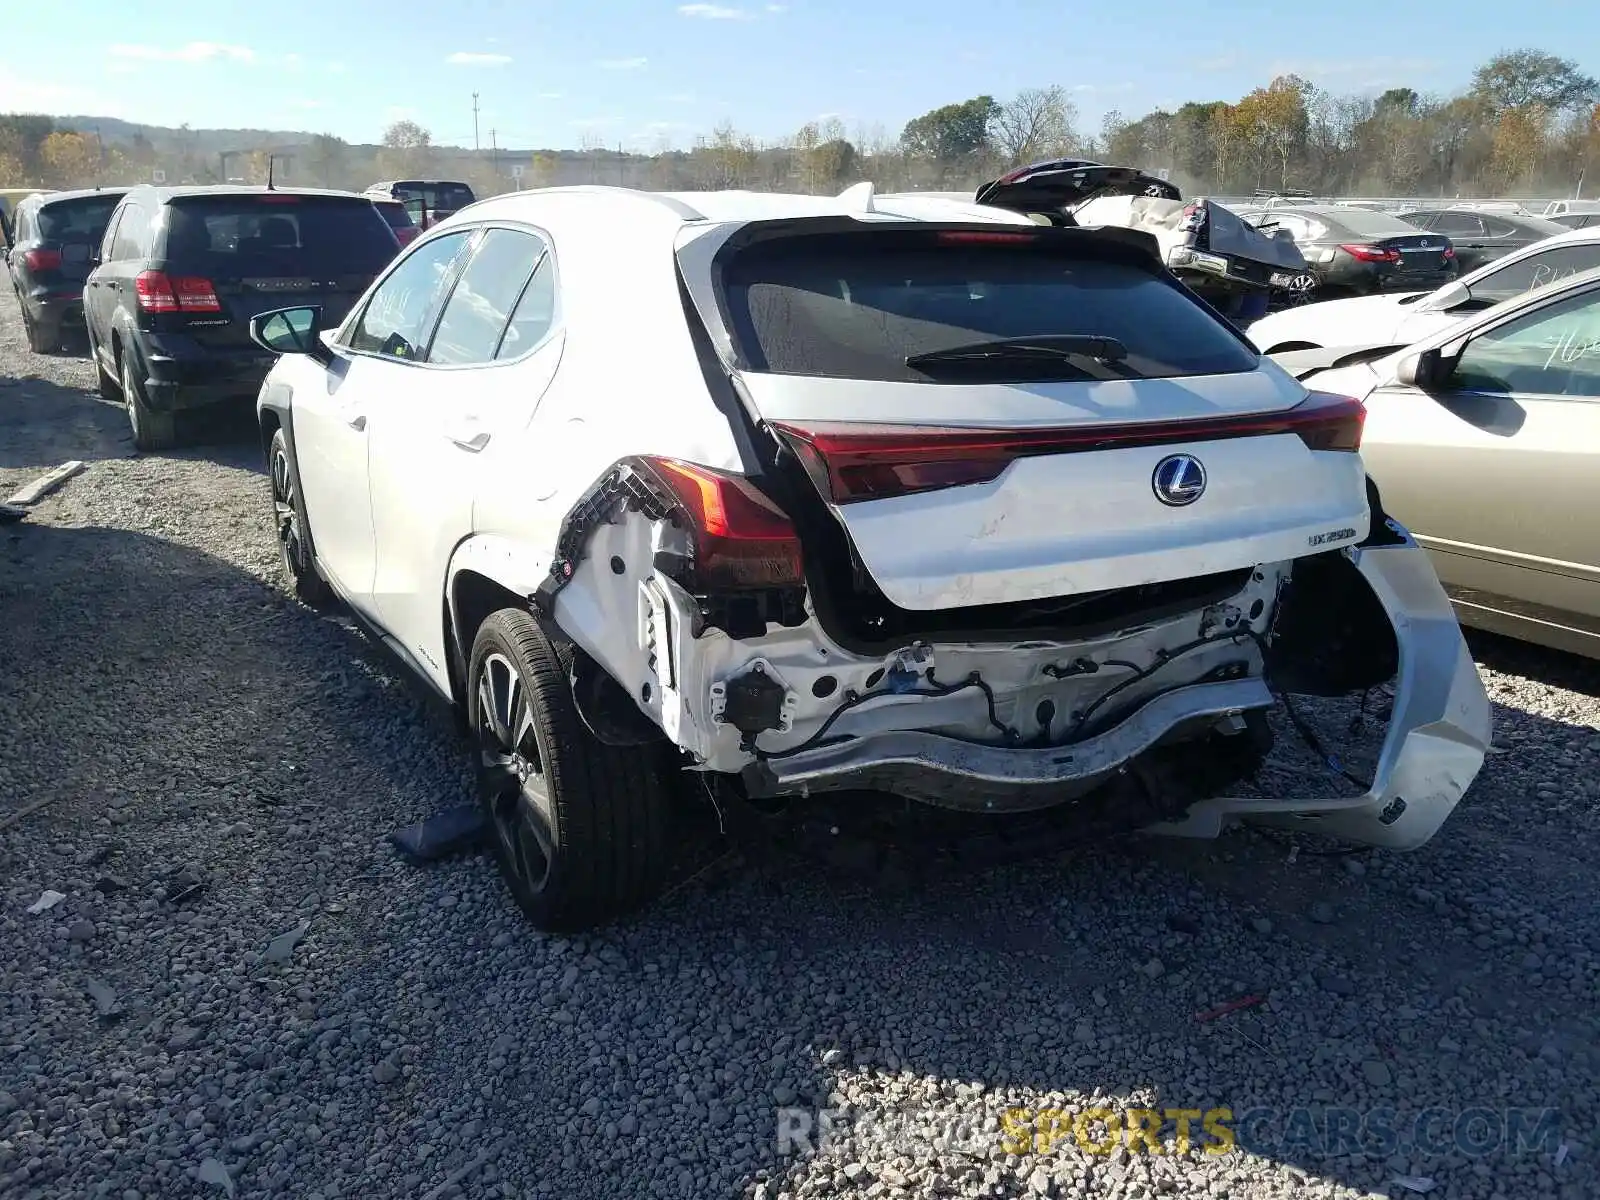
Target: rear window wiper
1064	346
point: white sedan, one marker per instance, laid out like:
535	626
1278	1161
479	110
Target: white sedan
786	495
1400	319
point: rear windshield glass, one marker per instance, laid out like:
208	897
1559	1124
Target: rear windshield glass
287	235
837	308
395	213
447	197
1371	224
76	220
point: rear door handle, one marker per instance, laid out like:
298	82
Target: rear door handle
358	423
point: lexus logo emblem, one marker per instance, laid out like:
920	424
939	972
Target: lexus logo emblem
1179	479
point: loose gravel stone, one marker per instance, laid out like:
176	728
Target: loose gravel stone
221	743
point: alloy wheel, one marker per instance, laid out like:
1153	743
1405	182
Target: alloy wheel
128	401
288	516
512	784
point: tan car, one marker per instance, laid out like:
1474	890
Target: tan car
1484	440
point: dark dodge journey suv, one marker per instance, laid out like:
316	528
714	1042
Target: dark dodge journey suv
183	269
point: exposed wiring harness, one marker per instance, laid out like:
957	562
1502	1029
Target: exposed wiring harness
856	699
1084	666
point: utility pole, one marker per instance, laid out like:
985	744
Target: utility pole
494	154
475	146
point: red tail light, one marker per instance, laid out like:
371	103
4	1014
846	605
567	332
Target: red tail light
42	260
741	539
1371	253
855	462
159	292
1449	251
406	233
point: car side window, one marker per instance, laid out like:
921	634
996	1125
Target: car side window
1552	352
129	228
1537	271
474	317
1460	224
535	312
399	315
109	238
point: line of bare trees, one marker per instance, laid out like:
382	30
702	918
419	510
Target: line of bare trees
1528	123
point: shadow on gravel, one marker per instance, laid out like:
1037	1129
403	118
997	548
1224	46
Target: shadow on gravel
182	712
43	424
1571	672
1393	979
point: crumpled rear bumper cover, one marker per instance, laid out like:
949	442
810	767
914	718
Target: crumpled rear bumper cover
1438	735
1439	731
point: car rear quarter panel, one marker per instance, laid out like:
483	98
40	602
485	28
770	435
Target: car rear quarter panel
630	382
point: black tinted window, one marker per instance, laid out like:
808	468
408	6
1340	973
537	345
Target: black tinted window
857	306
76	220
399	316
1537	270
475	315
447	197
277	235
1459	224
396	215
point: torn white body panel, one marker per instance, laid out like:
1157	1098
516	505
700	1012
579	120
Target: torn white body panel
1439	731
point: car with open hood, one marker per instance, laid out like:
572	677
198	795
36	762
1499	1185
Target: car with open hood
786	496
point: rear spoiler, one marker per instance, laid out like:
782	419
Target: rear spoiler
1303	364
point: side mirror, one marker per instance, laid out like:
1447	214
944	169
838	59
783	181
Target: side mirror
292	331
1420	371
1451	295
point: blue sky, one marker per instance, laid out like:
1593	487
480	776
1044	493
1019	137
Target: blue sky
552	72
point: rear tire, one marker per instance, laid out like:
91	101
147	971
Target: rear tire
37	342
292	528
105	381
151	430
579	829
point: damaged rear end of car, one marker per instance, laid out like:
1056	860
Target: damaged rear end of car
1019	516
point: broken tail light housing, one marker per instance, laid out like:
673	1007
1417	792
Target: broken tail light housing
850	463
1371	254
741	539
159	292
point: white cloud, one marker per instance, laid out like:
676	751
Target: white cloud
777	8
549	96
713	12
621	64
466	58
192	52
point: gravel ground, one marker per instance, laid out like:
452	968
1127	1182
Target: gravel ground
222	767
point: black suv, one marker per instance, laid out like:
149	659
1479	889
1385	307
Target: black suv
183	269
51	246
